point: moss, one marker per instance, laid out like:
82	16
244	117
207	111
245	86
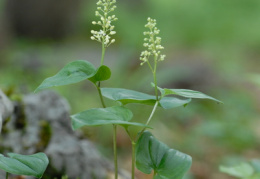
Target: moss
4	128
20	117
44	135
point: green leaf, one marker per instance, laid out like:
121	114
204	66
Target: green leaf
173	102
126	96
30	165
256	164
242	170
73	72
185	93
103	73
167	163
104	116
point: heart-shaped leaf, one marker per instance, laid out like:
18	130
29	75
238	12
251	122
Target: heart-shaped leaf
103	73
167	163
126	96
242	170
30	165
185	93
73	72
103	116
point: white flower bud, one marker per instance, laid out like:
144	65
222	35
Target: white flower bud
112	32
112	41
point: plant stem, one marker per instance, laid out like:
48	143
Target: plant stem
100	95
6	175
155	78
152	113
133	152
101	63
149	119
115	151
103	53
133	159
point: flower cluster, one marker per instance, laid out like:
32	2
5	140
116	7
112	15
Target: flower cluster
103	35
152	43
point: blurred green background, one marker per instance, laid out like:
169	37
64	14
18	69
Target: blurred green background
211	46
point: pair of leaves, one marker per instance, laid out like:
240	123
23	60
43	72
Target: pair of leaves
126	96
187	93
167	163
182	97
244	170
75	72
103	116
30	165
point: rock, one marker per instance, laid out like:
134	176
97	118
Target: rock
6	108
46	128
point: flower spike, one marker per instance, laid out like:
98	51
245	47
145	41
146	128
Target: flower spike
152	43
104	8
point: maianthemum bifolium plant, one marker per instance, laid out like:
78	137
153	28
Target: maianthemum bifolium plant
148	153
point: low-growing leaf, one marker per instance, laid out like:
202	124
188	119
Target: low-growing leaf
126	96
73	72
30	165
103	73
242	170
256	165
104	116
167	163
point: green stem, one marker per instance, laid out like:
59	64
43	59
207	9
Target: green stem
101	63
133	159
149	119
103	53
155	78
6	175
100	95
133	152
115	151
152	113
